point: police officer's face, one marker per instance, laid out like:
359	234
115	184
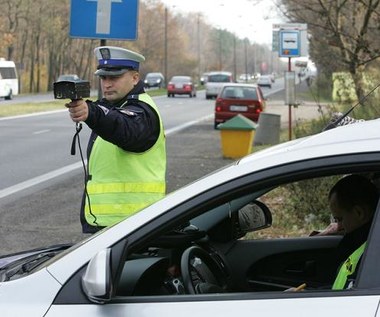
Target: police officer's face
116	87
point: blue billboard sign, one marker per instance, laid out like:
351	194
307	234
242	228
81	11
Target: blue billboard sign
104	19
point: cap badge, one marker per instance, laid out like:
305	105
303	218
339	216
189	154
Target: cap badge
105	52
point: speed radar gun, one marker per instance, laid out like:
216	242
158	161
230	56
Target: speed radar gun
74	90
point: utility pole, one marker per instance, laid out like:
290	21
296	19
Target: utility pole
246	59
166	45
199	46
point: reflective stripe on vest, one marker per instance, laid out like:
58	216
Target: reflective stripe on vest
122	182
348	268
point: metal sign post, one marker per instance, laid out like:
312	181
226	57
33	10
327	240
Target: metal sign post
290	94
290	39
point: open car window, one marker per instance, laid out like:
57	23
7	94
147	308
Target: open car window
211	254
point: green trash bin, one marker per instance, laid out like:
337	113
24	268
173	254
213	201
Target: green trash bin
237	136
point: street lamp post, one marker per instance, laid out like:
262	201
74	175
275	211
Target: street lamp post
220	49
199	46
166	45
246	59
235	71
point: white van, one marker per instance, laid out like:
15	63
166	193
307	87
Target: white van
215	81
8	79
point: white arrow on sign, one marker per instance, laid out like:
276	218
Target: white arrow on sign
103	15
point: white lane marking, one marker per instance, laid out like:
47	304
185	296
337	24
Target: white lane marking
187	124
42	131
32	114
48	176
39	179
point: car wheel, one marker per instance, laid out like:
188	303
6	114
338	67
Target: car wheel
216	125
169	95
190	95
10	96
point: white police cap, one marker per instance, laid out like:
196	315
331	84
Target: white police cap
115	61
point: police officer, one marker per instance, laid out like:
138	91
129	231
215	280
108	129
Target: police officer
126	151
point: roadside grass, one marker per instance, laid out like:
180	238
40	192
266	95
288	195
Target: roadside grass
28	108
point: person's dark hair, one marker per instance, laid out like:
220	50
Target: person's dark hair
354	190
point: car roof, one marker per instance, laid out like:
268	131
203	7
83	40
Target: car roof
221	72
239	85
154	74
181	77
360	137
68	76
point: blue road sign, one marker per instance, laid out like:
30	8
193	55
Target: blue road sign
289	43
104	19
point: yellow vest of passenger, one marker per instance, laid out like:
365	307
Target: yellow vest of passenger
348	267
122	182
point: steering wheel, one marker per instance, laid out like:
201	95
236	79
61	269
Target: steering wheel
201	274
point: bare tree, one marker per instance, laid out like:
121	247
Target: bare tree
36	37
344	33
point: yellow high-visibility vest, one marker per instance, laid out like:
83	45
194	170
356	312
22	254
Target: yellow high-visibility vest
122	182
348	267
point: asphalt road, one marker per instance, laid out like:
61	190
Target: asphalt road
46	215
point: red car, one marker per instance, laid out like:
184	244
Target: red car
181	85
234	99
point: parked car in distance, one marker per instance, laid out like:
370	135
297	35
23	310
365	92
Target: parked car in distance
213	246
181	85
215	81
243	78
9	81
68	77
264	81
234	99
154	80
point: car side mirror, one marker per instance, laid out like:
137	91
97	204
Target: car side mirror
96	281
254	216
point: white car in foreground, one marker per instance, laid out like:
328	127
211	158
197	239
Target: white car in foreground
212	248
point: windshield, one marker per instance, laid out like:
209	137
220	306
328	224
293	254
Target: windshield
181	79
239	92
220	78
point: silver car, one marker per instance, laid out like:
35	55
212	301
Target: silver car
215	82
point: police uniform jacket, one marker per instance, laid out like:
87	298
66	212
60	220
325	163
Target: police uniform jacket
133	128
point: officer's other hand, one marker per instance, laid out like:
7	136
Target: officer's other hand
78	110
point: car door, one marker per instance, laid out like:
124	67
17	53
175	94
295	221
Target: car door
279	264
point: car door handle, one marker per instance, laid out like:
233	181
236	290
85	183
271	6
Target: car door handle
307	269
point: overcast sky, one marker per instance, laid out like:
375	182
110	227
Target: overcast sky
241	17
